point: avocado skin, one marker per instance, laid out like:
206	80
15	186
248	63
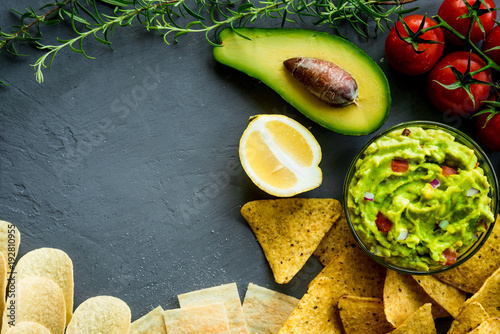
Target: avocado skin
261	52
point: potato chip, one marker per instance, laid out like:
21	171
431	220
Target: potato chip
337	238
100	315
10	239
449	297
266	310
205	319
28	327
420	322
470	316
316	311
489	295
227	294
51	263
3	282
363	315
470	275
489	326
151	323
403	296
289	230
35	299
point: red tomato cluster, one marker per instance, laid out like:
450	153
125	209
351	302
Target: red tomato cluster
456	85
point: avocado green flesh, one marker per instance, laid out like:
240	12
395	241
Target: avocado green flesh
262	55
417	239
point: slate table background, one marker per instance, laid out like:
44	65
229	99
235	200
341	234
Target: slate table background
129	162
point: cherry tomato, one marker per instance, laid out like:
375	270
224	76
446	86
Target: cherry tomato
457	101
402	56
450	256
384	224
492	40
488	133
451	10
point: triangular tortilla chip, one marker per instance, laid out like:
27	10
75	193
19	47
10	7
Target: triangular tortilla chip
470	316
403	296
227	294
205	319
470	275
420	322
355	273
289	230
351	272
489	326
489	295
337	238
449	297
266	310
363	315
151	323
316	311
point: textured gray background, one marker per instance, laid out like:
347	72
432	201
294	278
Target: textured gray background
129	162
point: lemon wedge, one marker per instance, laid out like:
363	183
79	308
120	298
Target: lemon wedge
280	155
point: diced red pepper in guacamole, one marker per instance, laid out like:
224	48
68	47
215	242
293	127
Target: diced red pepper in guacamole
399	165
384	224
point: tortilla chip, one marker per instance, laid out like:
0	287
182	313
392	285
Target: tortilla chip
36	299
227	294
266	310
101	314
363	315
205	319
470	316
420	322
316	311
489	295
403	296
351	272
338	238
489	326
449	297
355	273
470	275
50	263
28	327
289	230
151	323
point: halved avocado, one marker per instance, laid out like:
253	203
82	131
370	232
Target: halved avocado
261	56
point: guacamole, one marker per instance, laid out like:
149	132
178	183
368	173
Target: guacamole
418	198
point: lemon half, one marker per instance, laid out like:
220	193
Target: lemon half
280	155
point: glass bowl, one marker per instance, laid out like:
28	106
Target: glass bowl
408	247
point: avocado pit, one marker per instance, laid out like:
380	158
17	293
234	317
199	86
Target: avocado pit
325	80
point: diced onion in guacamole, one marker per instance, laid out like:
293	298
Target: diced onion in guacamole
435	183
428	199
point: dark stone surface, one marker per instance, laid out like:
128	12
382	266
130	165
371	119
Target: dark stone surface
129	162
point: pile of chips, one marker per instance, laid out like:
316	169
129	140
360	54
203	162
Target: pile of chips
39	300
354	294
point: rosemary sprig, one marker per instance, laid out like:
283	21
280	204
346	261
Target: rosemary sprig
179	17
